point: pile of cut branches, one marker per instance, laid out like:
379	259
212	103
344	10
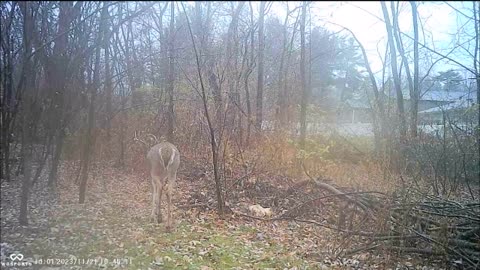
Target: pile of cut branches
406	222
430	226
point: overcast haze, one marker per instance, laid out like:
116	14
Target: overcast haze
365	19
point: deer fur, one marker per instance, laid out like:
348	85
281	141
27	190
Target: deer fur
164	160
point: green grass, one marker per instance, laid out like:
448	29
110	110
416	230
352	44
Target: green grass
139	244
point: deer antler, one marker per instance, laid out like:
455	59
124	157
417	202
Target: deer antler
135	138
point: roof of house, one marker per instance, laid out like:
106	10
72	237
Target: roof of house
456	100
447	99
458	104
446	95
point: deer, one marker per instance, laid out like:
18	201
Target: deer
163	159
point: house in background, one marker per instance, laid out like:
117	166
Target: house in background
448	94
355	110
359	109
433	106
456	108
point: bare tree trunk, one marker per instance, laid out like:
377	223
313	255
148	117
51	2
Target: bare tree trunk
47	146
261	49
90	140
58	76
303	109
122	115
250	64
213	142
27	95
232	63
285	87
203	31
397	34
280	110
26	159
121	138
476	64
158	19
416	83
89	137
108	77
396	79
249	107
52	178
130	49
7	106
122	119
171	75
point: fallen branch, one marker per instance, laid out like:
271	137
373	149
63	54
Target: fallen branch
324	197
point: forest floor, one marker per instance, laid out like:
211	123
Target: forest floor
112	230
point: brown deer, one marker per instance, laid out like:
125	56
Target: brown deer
164	160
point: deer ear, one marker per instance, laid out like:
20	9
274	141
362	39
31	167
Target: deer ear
153	138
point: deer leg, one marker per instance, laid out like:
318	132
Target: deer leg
169	193
159	209
169	210
155	198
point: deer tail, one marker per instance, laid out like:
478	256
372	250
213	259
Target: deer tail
172	158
